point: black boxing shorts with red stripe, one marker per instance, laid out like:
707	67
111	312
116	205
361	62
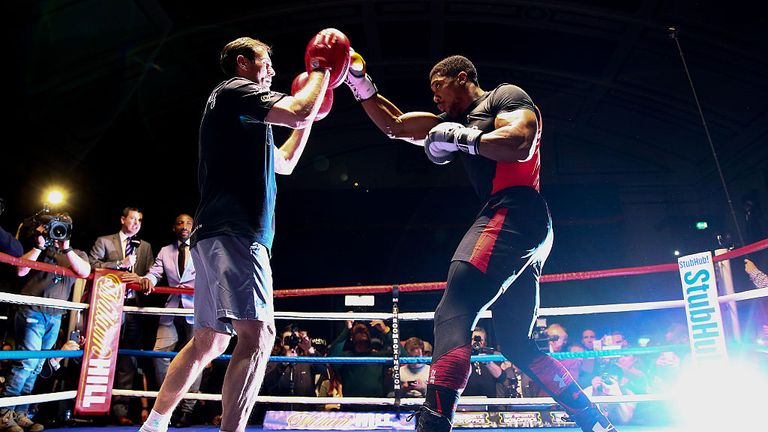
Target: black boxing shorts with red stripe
513	230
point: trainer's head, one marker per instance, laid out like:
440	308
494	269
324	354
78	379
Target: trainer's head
248	58
454	84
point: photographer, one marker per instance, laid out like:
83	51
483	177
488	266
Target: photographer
292	379
485	375
362	379
37	327
611	383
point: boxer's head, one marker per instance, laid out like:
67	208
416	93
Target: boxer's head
454	84
452	66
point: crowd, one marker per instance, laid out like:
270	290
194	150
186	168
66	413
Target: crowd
598	374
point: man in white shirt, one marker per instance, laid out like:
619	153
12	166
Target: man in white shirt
414	376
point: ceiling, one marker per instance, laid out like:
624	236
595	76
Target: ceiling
107	96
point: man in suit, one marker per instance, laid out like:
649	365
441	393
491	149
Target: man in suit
174	262
125	252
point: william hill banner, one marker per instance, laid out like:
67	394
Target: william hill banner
94	393
356	421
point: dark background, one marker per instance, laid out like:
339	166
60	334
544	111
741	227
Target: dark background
104	100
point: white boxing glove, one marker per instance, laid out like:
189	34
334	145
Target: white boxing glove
358	81
448	137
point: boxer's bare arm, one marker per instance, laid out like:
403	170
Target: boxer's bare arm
512	140
412	127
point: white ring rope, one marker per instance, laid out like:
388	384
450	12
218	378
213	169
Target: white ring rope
408	316
465	400
40	301
425	316
32	399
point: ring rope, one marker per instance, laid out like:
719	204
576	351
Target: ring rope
561	277
426	316
411	287
22	354
467	400
44	354
408	316
32	399
20	299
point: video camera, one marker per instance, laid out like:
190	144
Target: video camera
477	347
292	340
55	228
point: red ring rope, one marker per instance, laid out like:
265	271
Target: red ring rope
410	287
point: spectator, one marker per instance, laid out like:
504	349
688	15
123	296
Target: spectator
666	366
762	337
59	374
174	263
609	383
360	379
557	338
213	378
37	327
588	366
758	278
5	365
8	243
124	251
484	375
11	246
292	379
557	342
414	376
427	349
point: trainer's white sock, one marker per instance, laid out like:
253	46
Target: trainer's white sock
156	422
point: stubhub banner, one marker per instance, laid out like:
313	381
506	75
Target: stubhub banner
705	324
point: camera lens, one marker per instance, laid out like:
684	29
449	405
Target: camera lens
59	229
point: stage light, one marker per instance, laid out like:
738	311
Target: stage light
54	197
720	395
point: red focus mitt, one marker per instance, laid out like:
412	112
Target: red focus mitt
300	81
329	49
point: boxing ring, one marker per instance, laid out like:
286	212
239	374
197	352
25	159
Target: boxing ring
532	413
